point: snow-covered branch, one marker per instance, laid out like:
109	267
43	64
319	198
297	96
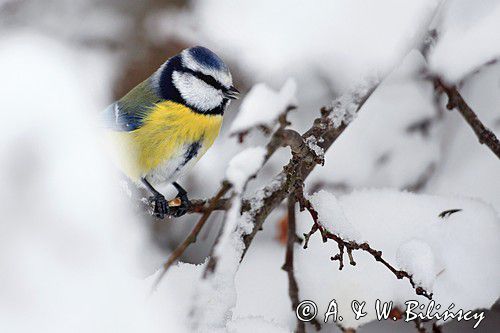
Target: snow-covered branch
350	245
263	107
303	161
217	286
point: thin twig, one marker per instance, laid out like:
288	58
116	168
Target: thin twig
191	238
199	206
288	266
351	246
202	205
456	101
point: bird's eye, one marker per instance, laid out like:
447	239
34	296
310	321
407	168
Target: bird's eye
207	79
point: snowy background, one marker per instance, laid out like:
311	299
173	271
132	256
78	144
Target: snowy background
75	254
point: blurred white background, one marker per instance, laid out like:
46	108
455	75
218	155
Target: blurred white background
76	255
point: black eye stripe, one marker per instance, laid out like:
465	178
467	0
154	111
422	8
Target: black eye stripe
207	79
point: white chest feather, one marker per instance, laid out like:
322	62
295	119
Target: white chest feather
175	167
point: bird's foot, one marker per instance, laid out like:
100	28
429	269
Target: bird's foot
161	207
184	206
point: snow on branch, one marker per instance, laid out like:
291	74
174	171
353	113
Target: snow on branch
463	48
245	166
345	107
332	223
240	222
303	161
262	107
331	216
416	256
217	287
244	218
444	244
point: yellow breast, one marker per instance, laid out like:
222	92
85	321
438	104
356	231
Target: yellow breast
165	131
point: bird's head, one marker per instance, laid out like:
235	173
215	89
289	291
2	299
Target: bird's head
198	78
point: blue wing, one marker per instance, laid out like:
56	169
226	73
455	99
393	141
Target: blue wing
117	119
129	112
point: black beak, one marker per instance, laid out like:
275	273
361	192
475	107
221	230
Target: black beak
232	93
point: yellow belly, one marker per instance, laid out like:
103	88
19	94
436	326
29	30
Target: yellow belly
166	131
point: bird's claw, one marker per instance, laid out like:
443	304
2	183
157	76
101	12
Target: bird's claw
184	206
161	207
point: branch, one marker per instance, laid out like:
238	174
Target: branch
456	101
191	238
293	288
199	206
351	246
288	266
202	205
297	144
301	165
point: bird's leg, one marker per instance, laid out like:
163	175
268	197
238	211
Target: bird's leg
160	203
185	203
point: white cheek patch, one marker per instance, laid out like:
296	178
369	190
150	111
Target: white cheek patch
195	92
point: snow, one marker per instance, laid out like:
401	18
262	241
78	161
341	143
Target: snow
217	292
345	107
257	199
345	41
182	282
70	244
375	149
416	257
468	39
244	165
332	217
177	285
405	226
442	253
262	106
312	143
255	324
260	275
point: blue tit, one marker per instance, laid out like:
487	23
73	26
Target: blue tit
164	125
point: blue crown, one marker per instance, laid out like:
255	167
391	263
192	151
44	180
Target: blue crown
207	58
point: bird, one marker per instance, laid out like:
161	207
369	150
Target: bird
164	125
